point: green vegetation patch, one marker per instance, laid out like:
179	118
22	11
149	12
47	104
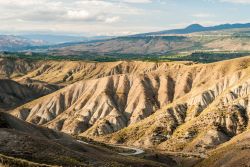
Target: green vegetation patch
199	57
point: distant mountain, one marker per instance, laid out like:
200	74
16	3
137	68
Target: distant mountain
55	39
147	43
41	41
197	28
15	43
59	39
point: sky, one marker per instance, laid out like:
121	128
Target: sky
116	17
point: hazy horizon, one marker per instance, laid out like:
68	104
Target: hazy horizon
115	17
52	33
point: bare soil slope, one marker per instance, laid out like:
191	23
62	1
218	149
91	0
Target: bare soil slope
176	106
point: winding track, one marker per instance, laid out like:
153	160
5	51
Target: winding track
137	150
82	142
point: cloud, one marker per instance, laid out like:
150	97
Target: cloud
237	1
202	15
137	1
75	16
112	16
80	14
111	19
67	11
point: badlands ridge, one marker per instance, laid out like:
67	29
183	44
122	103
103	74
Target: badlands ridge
168	106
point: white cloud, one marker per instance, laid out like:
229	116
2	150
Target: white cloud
81	14
137	1
65	10
202	15
69	15
237	1
105	16
112	19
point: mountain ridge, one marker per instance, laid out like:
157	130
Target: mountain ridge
105	45
197	28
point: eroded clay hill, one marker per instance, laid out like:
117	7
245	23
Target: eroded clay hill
175	106
67	72
202	119
116	92
31	79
